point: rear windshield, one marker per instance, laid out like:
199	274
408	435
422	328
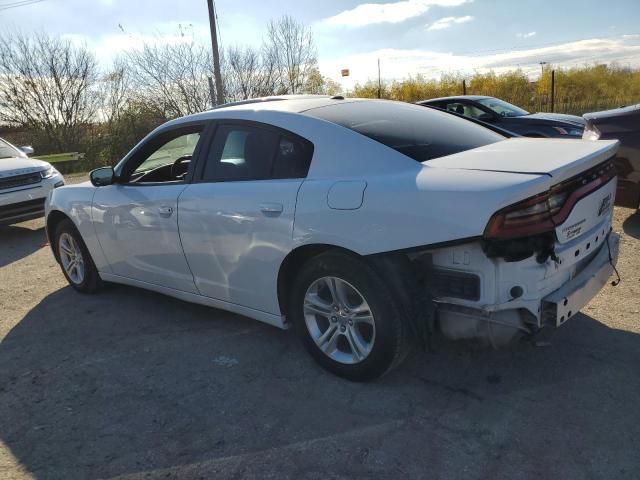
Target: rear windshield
418	132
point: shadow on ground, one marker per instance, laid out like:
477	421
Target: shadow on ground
19	241
631	225
133	384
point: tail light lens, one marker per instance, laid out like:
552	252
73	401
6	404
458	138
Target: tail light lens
541	213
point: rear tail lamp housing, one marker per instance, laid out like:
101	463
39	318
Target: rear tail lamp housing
542	213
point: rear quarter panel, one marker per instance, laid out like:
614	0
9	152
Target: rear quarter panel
410	208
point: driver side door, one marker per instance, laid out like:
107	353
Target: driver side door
136	218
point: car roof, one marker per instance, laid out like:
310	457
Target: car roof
287	103
296	104
459	97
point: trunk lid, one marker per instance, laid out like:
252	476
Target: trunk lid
557	117
557	158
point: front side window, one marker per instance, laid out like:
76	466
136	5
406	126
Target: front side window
180	148
164	158
417	132
245	152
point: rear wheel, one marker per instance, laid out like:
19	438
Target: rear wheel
75	260
347	317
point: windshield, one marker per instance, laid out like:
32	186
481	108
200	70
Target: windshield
7	151
502	108
415	131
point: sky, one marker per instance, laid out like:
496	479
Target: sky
428	37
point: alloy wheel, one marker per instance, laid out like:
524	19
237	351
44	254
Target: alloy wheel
71	258
339	320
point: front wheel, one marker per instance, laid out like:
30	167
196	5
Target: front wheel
348	318
75	260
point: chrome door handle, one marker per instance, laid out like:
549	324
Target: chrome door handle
165	211
271	208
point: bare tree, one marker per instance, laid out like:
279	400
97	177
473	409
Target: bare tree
249	74
173	78
116	91
290	46
47	84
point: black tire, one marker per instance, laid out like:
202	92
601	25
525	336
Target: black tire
391	341
91	281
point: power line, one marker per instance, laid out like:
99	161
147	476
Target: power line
23	3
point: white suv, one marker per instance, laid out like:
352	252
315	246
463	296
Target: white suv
24	184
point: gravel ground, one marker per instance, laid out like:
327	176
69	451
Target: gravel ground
130	384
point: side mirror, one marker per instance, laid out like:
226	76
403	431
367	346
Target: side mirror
103	176
486	117
27	150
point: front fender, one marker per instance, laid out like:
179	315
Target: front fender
75	202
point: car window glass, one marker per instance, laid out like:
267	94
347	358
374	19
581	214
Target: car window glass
417	132
241	153
7	151
464	109
293	158
182	146
503	108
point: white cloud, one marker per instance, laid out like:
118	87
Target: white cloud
447	22
107	47
526	35
399	64
393	12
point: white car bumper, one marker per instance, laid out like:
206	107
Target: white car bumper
547	293
24	199
559	306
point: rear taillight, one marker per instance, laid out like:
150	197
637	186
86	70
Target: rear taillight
541	213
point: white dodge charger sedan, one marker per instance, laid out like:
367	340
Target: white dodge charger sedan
24	184
366	225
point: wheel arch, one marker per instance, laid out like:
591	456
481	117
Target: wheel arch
395	267
294	261
53	220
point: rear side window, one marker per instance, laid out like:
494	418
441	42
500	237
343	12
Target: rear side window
240	153
247	152
418	132
293	158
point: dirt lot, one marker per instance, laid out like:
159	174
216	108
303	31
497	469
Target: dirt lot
131	384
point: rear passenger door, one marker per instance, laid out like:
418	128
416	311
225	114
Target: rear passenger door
236	219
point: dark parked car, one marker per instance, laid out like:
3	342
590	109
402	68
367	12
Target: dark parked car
509	117
622	124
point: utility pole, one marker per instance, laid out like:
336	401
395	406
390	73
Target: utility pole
379	81
553	90
542	64
219	100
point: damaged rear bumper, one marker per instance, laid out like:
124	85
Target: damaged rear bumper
520	297
565	302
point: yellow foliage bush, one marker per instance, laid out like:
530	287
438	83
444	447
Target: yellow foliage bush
577	90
